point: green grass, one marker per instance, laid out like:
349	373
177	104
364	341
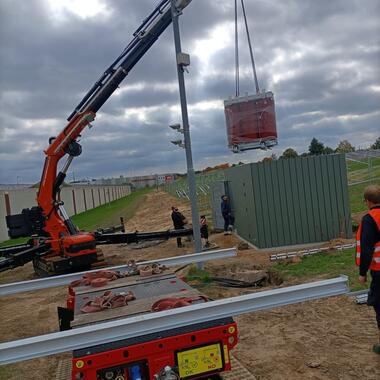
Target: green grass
355	193
355	165
103	216
109	215
13	242
5	372
356	172
356	196
326	265
195	274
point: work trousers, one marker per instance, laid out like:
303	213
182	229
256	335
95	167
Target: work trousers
227	222
204	232
374	296
179	240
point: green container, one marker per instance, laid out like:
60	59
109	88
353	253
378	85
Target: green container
291	201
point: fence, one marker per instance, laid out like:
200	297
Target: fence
364	167
180	189
76	200
282	202
287	202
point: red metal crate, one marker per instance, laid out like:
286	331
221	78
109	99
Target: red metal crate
251	122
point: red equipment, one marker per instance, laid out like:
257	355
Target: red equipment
57	245
251	122
187	352
250	119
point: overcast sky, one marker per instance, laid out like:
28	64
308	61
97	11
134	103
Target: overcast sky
320	58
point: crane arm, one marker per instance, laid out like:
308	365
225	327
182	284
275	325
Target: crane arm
84	113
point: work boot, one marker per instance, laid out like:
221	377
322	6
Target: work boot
376	348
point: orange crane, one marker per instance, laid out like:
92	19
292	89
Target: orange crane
57	245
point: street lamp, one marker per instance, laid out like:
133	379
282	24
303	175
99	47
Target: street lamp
183	60
178	143
176	127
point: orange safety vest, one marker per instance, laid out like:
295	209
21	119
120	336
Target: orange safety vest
375	264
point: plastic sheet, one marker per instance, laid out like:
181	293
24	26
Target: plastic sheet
251	122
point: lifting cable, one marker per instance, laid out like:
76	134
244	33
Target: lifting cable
236	52
237	69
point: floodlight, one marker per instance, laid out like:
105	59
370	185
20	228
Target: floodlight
176	127
178	143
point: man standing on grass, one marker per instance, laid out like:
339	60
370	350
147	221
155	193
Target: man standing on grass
368	251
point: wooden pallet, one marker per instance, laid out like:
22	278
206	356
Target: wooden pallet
238	372
63	370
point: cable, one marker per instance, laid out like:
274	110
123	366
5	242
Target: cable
232	283
237	84
250	49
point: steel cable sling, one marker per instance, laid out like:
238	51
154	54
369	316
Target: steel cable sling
237	64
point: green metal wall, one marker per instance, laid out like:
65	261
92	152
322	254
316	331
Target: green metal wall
293	201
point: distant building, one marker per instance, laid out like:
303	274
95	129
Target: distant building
137	182
151	180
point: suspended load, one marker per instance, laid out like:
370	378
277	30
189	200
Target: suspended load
250	119
251	122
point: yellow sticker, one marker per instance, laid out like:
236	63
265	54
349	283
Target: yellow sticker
79	364
199	360
226	354
231	329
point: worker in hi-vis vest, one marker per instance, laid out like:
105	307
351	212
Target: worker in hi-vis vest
368	251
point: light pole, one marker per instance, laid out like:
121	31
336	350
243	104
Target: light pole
183	60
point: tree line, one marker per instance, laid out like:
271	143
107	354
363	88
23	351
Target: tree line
317	148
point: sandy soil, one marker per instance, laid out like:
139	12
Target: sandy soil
324	339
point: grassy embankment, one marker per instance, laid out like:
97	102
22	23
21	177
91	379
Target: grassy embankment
103	216
358	172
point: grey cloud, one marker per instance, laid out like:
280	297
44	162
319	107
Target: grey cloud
46	67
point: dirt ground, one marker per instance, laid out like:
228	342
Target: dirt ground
324	339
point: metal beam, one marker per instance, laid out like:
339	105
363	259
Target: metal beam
49	282
307	252
102	333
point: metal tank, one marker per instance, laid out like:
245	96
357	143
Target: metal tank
251	121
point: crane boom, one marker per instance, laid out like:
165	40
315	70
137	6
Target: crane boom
49	219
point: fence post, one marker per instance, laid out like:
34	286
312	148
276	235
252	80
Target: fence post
84	199
100	199
7	203
92	196
74	202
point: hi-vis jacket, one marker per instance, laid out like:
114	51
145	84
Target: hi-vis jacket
375	264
